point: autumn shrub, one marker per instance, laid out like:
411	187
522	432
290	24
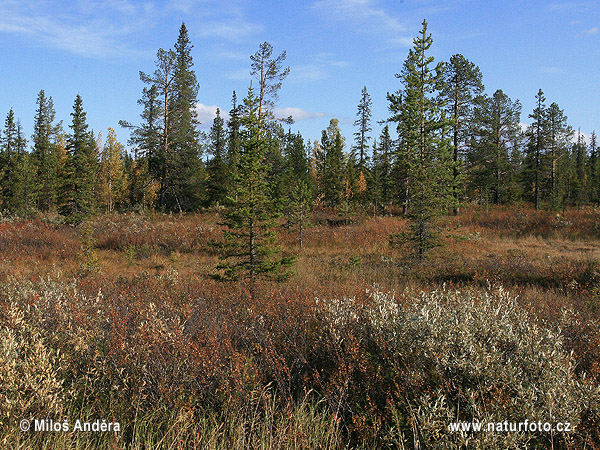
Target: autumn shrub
30	385
159	232
152	347
34	238
519	220
470	356
184	361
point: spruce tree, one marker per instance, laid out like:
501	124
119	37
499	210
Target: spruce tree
218	181
424	127
299	208
274	137
405	147
536	148
168	139
8	162
17	178
160	162
24	200
297	184
382	181
296	158
363	122
579	160
144	168
250	250
233	135
594	170
185	149
77	198
331	165
44	157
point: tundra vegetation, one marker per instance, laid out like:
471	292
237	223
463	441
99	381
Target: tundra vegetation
289	294
120	319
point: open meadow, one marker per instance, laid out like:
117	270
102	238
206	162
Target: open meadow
119	320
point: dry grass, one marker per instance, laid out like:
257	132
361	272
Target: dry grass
152	331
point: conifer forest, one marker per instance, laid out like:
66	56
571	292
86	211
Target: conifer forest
248	287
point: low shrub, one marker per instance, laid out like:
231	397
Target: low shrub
450	356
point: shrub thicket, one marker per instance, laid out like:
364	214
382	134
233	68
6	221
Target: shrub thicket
177	368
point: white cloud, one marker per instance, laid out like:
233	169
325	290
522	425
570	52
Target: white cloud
340	64
84	28
367	17
238	56
297	114
567	6
523	126
585	136
105	27
591	31
207	113
318	69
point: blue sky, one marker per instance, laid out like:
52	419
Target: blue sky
334	48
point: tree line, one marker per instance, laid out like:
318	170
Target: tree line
444	143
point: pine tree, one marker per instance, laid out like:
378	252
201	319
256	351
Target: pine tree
168	139
424	128
494	130
160	161
77	194
462	85
363	122
558	137
269	73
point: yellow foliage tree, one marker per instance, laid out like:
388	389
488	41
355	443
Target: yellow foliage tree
112	180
